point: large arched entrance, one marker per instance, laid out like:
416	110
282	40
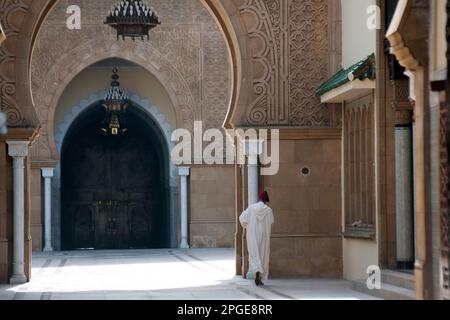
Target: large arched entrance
115	189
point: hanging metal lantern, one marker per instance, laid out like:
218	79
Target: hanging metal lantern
116	103
133	19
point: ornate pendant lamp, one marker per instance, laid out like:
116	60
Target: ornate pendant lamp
116	103
133	19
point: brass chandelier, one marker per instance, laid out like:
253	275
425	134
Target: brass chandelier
116	103
132	19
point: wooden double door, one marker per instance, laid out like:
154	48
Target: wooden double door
111	224
113	194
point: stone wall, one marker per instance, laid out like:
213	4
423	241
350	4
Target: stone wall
307	235
212	207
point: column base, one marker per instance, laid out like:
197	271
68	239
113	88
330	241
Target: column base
184	245
18	279
46	249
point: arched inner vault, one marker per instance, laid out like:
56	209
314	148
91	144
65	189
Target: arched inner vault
115	191
83	95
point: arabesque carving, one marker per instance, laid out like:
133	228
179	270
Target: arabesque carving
290	58
12	14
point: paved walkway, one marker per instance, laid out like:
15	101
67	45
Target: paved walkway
205	274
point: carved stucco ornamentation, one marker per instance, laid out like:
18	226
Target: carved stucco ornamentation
290	59
400	95
401	102
12	14
197	83
309	47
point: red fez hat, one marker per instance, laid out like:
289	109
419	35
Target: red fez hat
264	197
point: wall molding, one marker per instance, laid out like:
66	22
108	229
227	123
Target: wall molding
309	134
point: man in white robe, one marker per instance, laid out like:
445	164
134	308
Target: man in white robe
257	220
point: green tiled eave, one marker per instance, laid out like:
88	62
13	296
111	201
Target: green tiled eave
364	69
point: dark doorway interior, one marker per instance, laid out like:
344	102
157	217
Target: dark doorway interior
114	188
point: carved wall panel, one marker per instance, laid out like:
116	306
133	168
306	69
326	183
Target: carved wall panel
290	50
12	14
358	165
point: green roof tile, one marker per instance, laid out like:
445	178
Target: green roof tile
364	69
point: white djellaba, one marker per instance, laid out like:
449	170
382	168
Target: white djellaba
258	220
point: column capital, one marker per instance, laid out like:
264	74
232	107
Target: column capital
48	172
184	171
18	149
400	91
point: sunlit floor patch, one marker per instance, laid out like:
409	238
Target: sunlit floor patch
203	274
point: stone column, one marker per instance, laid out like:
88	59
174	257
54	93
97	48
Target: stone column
47	174
404	175
184	173
404	194
253	149
18	150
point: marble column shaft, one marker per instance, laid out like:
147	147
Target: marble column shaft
184	173
18	150
404	190
47	174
